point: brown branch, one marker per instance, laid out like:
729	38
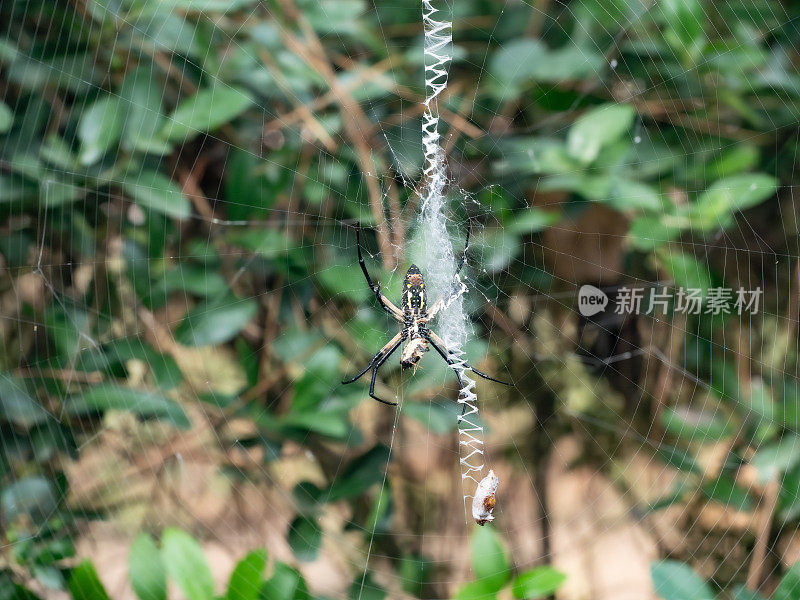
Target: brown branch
356	124
314	126
67	375
768	503
363	75
190	186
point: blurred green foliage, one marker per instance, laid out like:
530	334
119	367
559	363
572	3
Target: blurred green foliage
202	167
674	580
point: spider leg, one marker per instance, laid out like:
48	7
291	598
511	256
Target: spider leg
376	288
390	347
375	374
439	346
367	368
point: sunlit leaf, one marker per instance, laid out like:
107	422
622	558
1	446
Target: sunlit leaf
157	192
186	565
216	321
789	587
537	583
773	459
675	580
84	584
205	111
99	128
488	558
146	569
247	577
597	128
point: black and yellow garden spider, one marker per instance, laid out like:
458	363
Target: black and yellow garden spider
415	319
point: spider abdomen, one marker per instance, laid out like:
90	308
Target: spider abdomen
413	298
415	349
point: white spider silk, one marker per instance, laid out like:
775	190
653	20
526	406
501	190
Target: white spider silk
439	259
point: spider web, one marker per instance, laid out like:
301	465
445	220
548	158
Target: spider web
99	275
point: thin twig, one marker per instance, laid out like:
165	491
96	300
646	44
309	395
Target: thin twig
356	124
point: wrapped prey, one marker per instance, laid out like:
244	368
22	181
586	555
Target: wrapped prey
484	500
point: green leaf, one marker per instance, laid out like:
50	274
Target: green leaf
246	188
533	220
414	573
789	587
648	233
286	583
535	156
476	590
331	424
305	538
740	191
335	16
771	460
742	593
205	111
208	6
99	128
6	118
704	424
191	279
365	588
597	128
439	418
523	60
537	583
512	62
140	96
679	458
322	367
685	19
186	565
730	162
67	329
84	584
569	62
789	495
267	243
215	322
31	496
362	473
715	207
686	271
146	569
162	366
673	580
341	280
488	558
145	404
726	491
247	577
157	192
788	410
626	194
17	405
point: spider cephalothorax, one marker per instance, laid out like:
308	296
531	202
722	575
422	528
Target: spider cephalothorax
414	315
